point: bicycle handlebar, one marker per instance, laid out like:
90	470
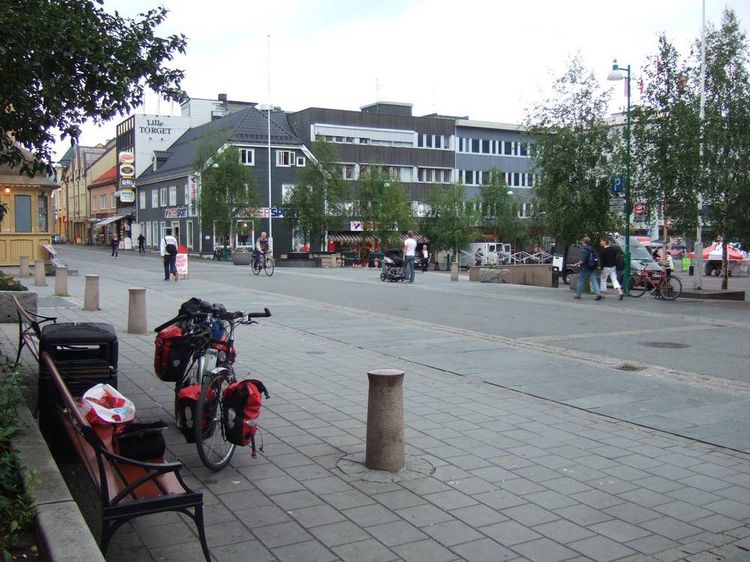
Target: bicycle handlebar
265	314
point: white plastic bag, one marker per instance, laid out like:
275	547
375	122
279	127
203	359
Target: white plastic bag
103	404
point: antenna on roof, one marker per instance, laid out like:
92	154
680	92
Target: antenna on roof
377	89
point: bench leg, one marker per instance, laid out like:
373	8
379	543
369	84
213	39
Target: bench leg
202	532
107	532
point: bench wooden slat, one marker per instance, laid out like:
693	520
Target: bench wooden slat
128	488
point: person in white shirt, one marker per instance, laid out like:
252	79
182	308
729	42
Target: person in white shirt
168	251
410	247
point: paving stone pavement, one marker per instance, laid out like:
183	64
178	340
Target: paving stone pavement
516	477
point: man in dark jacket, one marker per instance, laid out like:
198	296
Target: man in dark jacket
589	259
608	256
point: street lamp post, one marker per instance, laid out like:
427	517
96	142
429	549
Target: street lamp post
618	73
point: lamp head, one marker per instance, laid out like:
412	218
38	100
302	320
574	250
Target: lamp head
616	73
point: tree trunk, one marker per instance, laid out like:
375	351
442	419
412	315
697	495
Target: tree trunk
724	260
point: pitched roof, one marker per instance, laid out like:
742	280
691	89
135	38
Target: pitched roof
106	178
248	126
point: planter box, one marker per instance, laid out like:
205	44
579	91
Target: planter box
242	258
8	314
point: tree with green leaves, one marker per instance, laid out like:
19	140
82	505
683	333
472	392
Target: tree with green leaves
228	190
63	63
383	205
499	209
726	133
665	140
571	145
320	197
451	221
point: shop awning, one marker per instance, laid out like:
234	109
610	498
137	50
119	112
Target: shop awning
359	237
108	220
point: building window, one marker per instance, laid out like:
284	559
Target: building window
172	195
23	213
284	158
301	161
485	147
112	200
189	231
523	149
163	197
286	191
142	199
247	156
154	198
42	212
103	201
93	202
348	171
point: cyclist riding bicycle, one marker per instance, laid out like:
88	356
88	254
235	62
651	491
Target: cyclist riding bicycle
261	248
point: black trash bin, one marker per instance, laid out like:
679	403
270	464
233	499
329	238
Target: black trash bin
690	270
85	354
555	278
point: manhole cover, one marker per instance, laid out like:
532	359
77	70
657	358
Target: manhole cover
629	367
664	344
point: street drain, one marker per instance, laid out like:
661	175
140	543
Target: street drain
629	367
664	344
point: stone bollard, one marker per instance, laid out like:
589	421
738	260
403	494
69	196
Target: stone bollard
39	278
454	271
91	293
137	310
61	281
23	266
385	449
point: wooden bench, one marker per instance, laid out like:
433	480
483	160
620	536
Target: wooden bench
30	329
128	488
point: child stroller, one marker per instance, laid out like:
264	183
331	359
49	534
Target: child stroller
393	266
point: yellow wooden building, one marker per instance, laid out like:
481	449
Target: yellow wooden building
27	225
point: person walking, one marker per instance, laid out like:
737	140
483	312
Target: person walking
589	264
141	244
425	258
409	249
115	243
168	252
478	257
608	257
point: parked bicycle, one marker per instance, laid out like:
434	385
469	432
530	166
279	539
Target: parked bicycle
262	262
195	350
659	283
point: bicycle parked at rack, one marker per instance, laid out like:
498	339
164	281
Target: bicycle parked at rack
659	283
195	350
262	261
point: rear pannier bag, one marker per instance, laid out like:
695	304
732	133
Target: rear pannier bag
187	405
241	406
171	354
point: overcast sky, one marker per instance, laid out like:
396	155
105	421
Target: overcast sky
488	59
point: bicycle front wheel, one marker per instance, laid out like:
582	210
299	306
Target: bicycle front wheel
214	450
670	288
268	266
635	287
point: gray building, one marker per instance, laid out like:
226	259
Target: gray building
168	190
482	146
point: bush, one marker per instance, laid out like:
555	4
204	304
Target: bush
8	283
16	509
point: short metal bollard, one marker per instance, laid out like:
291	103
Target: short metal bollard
39	275
23	266
91	293
385	448
61	281
454	271
137	310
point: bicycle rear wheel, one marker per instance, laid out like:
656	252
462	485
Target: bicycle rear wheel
268	266
214	450
256	266
635	287
670	288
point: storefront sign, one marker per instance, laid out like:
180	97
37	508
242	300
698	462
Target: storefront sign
175	212
181	261
155	127
355	226
127	196
193	196
127	183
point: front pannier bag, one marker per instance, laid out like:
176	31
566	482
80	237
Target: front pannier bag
241	406
172	353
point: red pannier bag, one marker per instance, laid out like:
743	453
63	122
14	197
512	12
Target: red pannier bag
241	406
227	353
187	408
171	353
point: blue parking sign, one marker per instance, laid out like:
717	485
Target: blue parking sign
618	184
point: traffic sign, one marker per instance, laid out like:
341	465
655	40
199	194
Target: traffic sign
618	184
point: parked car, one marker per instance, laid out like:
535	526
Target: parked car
59	239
